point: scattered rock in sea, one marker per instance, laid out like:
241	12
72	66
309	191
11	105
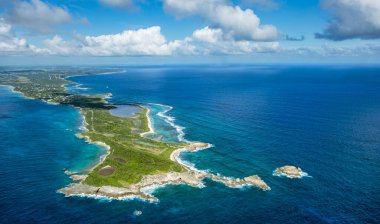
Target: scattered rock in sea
137	213
194	146
69	173
237	182
80	136
289	172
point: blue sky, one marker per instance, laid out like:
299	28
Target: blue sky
189	31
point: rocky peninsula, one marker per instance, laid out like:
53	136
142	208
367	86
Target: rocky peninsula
134	164
143	188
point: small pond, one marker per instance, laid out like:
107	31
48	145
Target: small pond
125	111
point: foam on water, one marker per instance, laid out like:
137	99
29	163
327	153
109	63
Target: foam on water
108	199
303	174
78	86
171	121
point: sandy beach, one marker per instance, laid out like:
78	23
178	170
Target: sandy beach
150	126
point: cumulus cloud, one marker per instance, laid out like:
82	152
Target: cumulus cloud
352	19
141	42
239	23
120	4
150	42
147	41
37	16
209	41
11	45
58	46
208	35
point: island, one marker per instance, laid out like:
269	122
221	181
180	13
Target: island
289	172
135	164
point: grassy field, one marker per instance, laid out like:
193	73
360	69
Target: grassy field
131	156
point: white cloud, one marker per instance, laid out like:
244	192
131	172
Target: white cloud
148	41
215	42
140	42
151	42
352	19
239	23
208	35
37	16
11	45
58	46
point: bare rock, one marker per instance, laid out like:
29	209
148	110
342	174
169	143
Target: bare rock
290	172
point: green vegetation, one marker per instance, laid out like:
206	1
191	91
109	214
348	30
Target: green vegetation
140	156
131	156
48	85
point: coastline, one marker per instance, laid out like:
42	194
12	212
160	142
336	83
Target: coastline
150	126
147	186
170	120
144	188
12	90
101	158
22	95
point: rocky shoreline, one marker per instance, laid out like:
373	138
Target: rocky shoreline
142	189
191	177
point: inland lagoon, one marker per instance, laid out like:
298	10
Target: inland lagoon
126	111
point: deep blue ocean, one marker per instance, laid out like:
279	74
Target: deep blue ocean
324	119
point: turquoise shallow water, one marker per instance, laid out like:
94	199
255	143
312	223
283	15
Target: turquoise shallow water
323	119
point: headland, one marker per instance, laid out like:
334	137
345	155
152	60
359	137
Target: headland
134	163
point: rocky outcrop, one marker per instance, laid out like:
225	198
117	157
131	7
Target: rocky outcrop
238	182
77	177
290	172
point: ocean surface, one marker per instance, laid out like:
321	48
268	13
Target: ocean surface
324	119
